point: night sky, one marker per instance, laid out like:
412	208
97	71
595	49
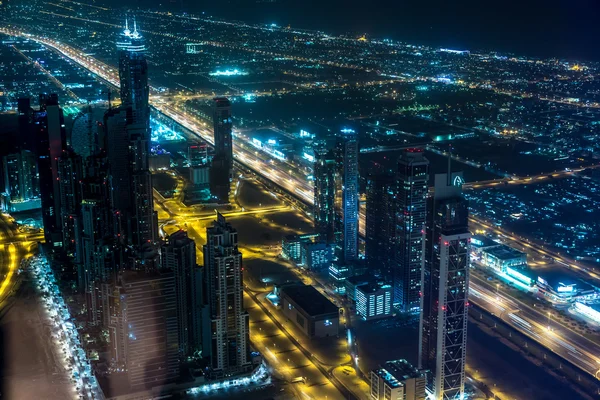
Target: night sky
561	28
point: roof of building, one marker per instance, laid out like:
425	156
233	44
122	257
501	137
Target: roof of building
310	300
482	241
504	252
360	279
373	287
396	372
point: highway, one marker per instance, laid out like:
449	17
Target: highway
537	325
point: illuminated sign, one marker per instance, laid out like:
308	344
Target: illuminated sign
562	288
476	242
348	130
257	143
308	157
228	72
272	141
458	181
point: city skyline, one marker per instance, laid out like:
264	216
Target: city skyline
197	205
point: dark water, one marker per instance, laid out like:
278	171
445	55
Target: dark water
548	28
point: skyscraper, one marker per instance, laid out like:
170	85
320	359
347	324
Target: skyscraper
222	162
324	203
51	140
411	205
128	137
443	321
380	222
133	77
229	346
142	314
347	200
179	256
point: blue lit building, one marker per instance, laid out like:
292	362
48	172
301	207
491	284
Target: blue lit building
411	210
374	301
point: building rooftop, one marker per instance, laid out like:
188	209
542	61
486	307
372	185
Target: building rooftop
360	279
396	372
504	252
481	241
372	287
310	300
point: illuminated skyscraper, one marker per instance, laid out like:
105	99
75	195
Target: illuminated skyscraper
444	315
229	321
324	203
347	200
128	144
222	163
411	205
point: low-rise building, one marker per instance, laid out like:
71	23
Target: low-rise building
398	380
317	255
291	246
374	301
501	257
309	310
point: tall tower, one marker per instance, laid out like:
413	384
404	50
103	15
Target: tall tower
179	256
412	178
347	199
51	138
133	77
443	321
128	143
380	222
230	334
324	203
222	163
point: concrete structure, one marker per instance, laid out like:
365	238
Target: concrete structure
411	207
443	323
374	301
397	380
229	340
309	310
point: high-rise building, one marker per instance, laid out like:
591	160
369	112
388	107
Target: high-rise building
179	256
443	323
229	321
324	203
222	163
347	200
18	182
411	206
70	172
380	223
51	136
142	316
133	78
128	144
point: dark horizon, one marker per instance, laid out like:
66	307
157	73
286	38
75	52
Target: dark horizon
549	29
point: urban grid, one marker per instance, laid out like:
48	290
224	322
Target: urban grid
201	207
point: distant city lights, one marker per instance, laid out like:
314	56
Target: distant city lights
228	72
